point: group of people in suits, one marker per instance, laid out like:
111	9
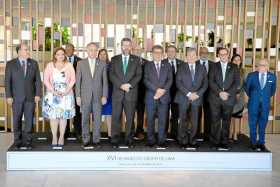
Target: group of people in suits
187	89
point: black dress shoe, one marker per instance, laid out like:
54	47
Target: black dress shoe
193	146
115	145
254	147
17	146
96	145
183	146
151	145
223	147
87	146
162	146
263	148
130	145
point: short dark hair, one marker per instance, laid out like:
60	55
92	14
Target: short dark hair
18	47
157	47
223	48
70	44
125	40
170	47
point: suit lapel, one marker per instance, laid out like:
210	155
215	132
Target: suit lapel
28	68
88	67
18	66
220	72
227	71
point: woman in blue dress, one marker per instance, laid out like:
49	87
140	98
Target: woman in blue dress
107	108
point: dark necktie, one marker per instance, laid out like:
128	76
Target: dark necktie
192	72
158	69
23	66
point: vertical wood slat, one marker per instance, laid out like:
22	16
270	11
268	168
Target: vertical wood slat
30	27
52	26
100	21
71	21
177	21
11	25
154	19
193	23
215	32
145	26
206	23
224	23
185	25
60	20
115	22
19	25
91	20
232	27
164	27
276	64
77	26
255	34
244	31
238	26
263	29
269	30
199	25
105	24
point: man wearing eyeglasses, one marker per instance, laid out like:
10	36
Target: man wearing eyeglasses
260	86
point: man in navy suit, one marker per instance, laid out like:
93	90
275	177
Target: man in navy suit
171	51
23	90
224	80
260	86
192	82
158	80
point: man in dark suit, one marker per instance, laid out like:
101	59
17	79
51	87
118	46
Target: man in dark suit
125	74
23	90
203	55
140	108
174	62
158	80
260	86
191	81
73	59
224	80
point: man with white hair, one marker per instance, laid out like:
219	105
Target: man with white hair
260	86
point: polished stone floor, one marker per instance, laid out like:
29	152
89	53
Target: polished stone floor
143	178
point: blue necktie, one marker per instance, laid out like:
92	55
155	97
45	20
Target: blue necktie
23	65
262	80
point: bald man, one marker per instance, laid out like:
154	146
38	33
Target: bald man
203	60
260	86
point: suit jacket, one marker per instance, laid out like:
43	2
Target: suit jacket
76	60
132	76
141	85
185	84
230	85
256	94
21	87
153	82
210	66
173	89
90	87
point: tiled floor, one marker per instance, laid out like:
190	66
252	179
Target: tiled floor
134	179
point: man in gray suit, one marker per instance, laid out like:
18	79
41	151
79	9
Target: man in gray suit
91	92
191	81
23	90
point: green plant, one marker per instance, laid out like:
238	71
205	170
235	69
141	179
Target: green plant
64	31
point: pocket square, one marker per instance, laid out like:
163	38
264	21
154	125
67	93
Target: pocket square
270	81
